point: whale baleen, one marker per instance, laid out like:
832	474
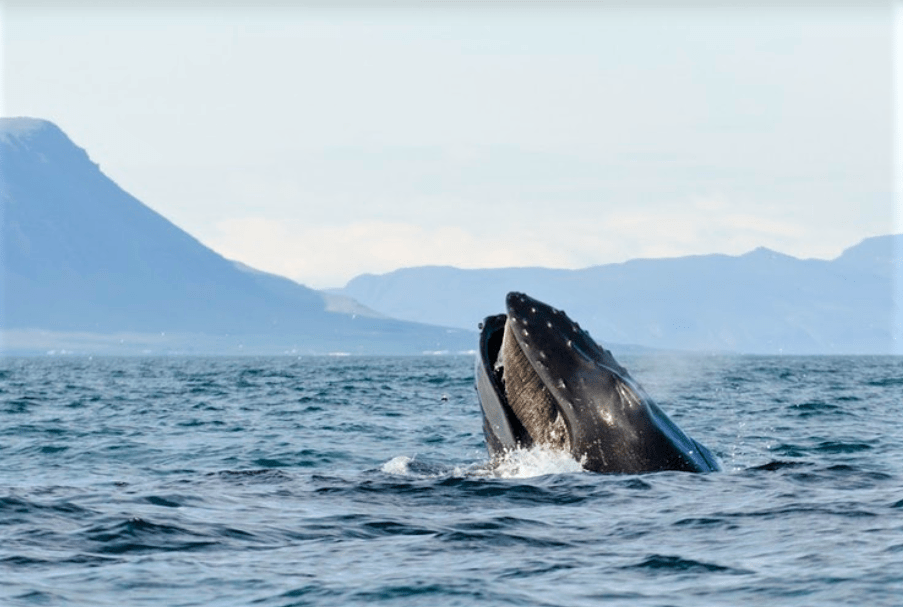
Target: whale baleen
542	380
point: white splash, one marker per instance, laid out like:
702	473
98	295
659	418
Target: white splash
520	463
399	465
535	461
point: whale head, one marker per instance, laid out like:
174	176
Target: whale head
544	380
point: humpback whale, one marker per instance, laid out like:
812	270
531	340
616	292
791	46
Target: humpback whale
542	380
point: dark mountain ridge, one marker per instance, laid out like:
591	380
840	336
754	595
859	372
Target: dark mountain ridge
760	302
86	266
79	254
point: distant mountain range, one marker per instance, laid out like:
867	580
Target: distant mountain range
87	267
761	302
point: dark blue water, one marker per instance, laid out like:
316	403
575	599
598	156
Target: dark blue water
325	481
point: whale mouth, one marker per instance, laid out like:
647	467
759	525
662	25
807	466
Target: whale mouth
519	408
529	399
501	427
535	352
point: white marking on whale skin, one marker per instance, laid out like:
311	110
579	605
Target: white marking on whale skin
606	416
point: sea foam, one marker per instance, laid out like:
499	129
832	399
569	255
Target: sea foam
535	461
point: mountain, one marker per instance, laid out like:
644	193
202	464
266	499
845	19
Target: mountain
87	266
761	302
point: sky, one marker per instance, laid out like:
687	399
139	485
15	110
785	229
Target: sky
321	141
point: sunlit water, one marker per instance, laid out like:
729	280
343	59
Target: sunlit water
324	481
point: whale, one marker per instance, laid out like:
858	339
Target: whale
544	381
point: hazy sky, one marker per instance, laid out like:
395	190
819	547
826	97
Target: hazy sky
320	143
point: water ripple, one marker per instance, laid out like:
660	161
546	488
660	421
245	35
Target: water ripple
325	481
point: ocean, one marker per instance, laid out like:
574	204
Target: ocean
366	481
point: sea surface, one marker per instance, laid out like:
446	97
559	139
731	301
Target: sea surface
365	481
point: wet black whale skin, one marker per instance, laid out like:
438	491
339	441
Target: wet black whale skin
613	425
